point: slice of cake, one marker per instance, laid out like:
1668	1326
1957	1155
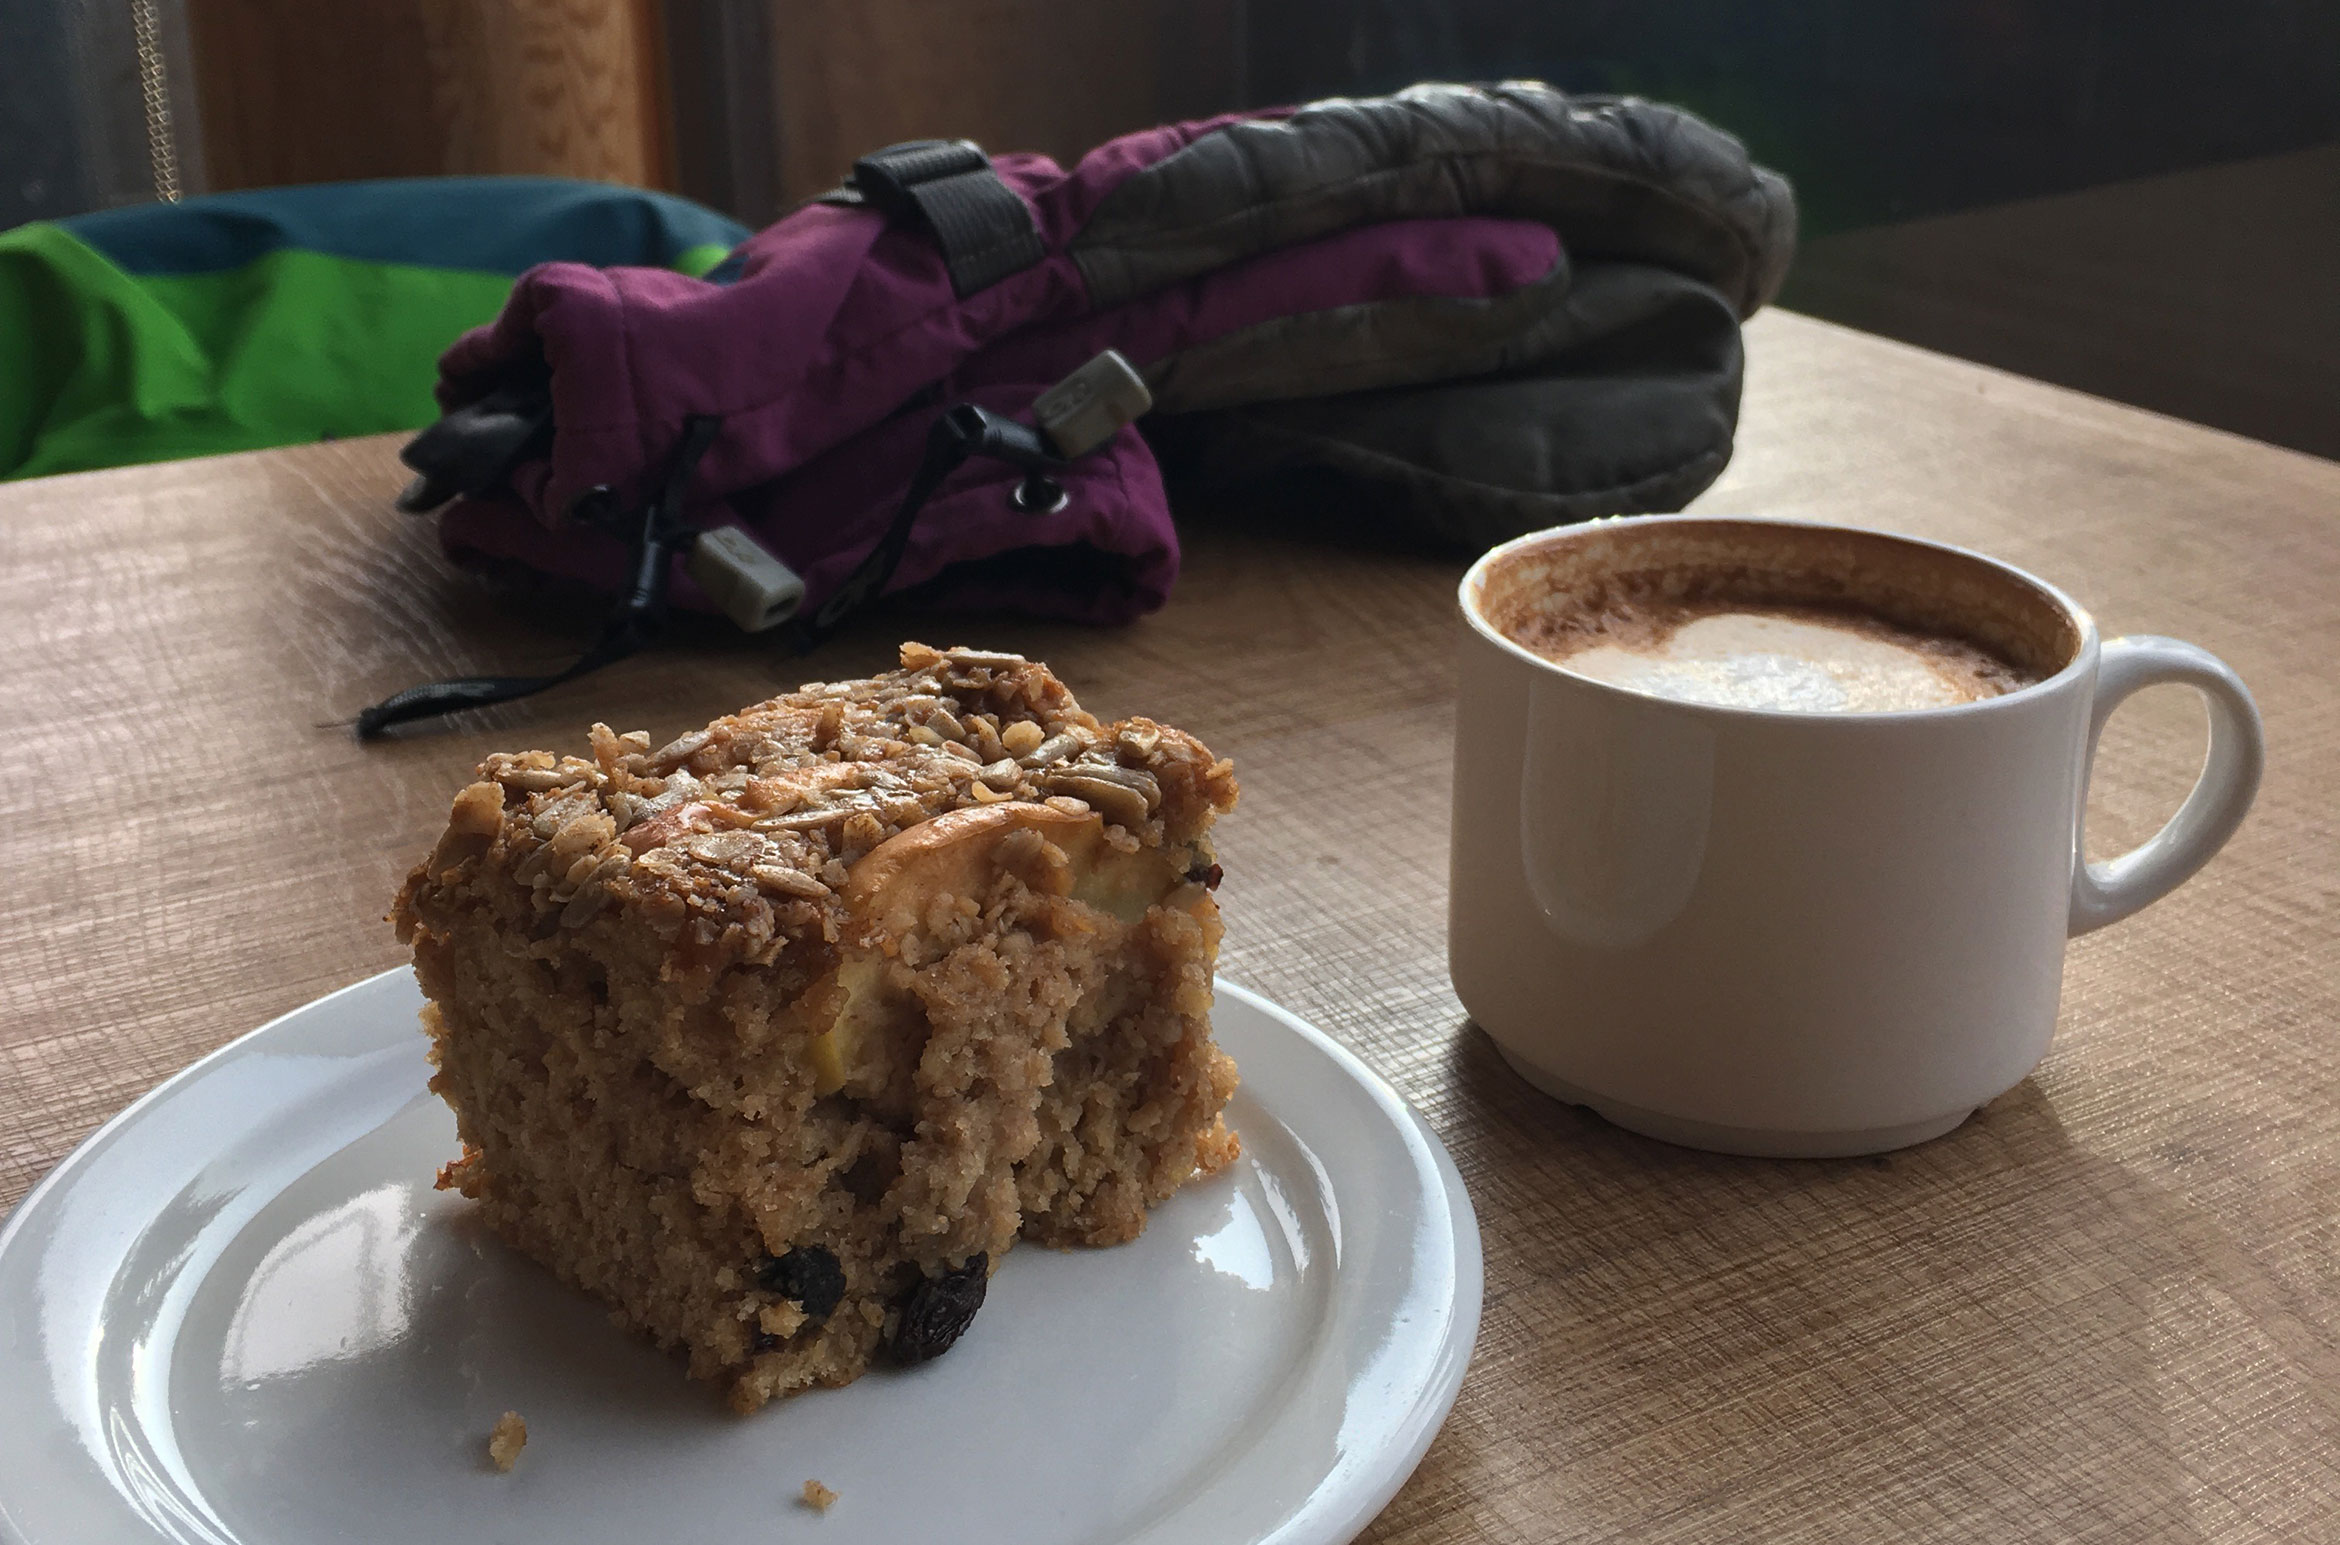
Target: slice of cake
778	1038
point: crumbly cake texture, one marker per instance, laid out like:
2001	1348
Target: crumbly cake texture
505	1442
778	1038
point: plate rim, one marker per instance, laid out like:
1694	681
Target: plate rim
1427	1416
1333	1513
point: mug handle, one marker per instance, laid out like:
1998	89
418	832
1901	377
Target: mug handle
2106	893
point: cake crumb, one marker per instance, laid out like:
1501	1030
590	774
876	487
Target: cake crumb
506	1442
818	1497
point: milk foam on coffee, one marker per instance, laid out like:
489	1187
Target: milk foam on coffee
1792	660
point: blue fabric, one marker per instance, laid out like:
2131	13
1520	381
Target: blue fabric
487	224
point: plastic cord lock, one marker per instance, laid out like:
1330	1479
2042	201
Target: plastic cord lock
742	577
1089	407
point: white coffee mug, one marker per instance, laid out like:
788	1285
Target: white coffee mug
1796	933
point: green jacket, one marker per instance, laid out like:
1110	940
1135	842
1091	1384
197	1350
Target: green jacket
244	320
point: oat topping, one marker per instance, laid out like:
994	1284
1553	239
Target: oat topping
743	832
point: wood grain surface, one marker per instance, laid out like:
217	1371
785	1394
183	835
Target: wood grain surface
293	91
2103	1310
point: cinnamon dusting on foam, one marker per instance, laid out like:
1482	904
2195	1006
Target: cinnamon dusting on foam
1787	658
1777	614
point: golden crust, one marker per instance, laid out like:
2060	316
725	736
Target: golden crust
737	838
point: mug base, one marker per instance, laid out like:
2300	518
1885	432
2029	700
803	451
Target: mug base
1755	1142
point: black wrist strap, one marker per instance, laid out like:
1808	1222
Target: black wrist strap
431	699
640	614
949	189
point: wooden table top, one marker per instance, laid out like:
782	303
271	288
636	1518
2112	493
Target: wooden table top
2105	1309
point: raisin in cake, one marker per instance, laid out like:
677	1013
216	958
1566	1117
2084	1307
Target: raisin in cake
778	1038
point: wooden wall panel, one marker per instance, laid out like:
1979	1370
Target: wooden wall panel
294	91
1050	75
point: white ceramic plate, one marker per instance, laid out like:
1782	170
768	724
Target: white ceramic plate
239	1313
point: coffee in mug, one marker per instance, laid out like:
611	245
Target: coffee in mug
1760	654
1767	835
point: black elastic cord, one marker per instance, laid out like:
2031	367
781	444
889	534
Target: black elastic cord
944	455
963	432
637	621
440	697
